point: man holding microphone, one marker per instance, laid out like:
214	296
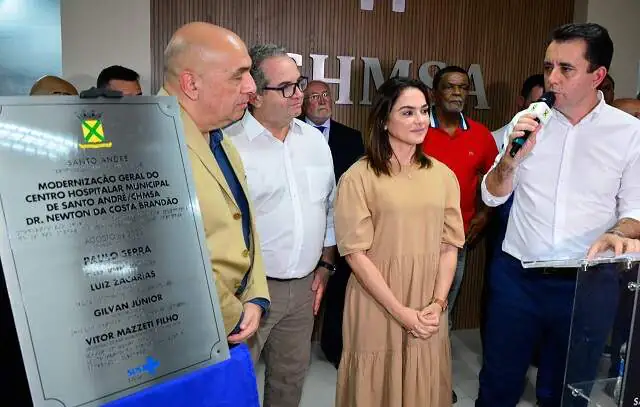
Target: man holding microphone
576	192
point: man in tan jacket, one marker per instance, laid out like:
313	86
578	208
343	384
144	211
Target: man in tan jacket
207	70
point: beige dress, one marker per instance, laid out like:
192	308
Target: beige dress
399	222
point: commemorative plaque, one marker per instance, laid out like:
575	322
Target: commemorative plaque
103	248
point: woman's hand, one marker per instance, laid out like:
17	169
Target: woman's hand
430	315
412	321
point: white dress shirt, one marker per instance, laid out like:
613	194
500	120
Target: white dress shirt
292	186
326	125
499	135
577	182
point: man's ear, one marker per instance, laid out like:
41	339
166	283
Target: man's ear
600	75
189	85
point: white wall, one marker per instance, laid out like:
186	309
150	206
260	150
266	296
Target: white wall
99	33
622	19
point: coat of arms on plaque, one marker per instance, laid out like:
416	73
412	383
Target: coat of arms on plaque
93	130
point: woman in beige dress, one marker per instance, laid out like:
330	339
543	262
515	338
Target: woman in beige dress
398	222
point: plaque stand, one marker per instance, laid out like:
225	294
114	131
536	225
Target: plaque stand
606	300
229	383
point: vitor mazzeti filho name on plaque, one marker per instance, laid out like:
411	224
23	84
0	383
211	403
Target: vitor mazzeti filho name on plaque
132	329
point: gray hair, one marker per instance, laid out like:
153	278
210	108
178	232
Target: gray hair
260	53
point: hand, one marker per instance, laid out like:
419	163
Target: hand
249	325
319	286
430	316
410	321
477	225
611	241
526	122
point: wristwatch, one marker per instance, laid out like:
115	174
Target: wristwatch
328	266
442	303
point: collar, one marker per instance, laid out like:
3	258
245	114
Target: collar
436	124
591	116
326	125
253	128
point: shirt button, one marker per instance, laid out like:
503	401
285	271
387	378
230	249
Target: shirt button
245	253
236	216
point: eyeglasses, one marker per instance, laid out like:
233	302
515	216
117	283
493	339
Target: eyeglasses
289	89
316	96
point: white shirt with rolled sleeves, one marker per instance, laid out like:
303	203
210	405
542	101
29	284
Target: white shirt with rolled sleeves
576	183
292	187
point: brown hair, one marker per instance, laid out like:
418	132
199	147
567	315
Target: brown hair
377	147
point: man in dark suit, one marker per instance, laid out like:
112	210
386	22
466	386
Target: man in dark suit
346	148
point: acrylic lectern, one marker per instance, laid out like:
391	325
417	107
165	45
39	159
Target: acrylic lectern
603	359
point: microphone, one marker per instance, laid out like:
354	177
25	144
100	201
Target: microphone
541	109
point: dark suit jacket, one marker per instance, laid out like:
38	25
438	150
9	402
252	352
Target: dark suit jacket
346	148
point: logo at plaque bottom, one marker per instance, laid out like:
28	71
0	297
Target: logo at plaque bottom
93	131
149	367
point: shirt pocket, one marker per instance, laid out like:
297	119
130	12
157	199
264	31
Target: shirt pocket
318	183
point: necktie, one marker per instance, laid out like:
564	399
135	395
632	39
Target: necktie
321	128
232	181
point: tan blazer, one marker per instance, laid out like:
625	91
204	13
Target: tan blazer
230	260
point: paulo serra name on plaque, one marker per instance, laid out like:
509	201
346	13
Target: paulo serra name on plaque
103	247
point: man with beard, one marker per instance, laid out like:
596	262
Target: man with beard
291	183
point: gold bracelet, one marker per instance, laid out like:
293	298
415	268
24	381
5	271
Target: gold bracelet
441	303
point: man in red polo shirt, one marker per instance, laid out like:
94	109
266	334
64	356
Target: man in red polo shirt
467	148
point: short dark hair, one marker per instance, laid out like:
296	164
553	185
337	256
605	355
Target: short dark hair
530	83
378	152
448	69
599	45
260	53
116	72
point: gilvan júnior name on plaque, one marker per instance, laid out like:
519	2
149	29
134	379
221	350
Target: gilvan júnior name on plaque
127	305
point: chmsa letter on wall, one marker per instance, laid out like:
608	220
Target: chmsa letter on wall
373	72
